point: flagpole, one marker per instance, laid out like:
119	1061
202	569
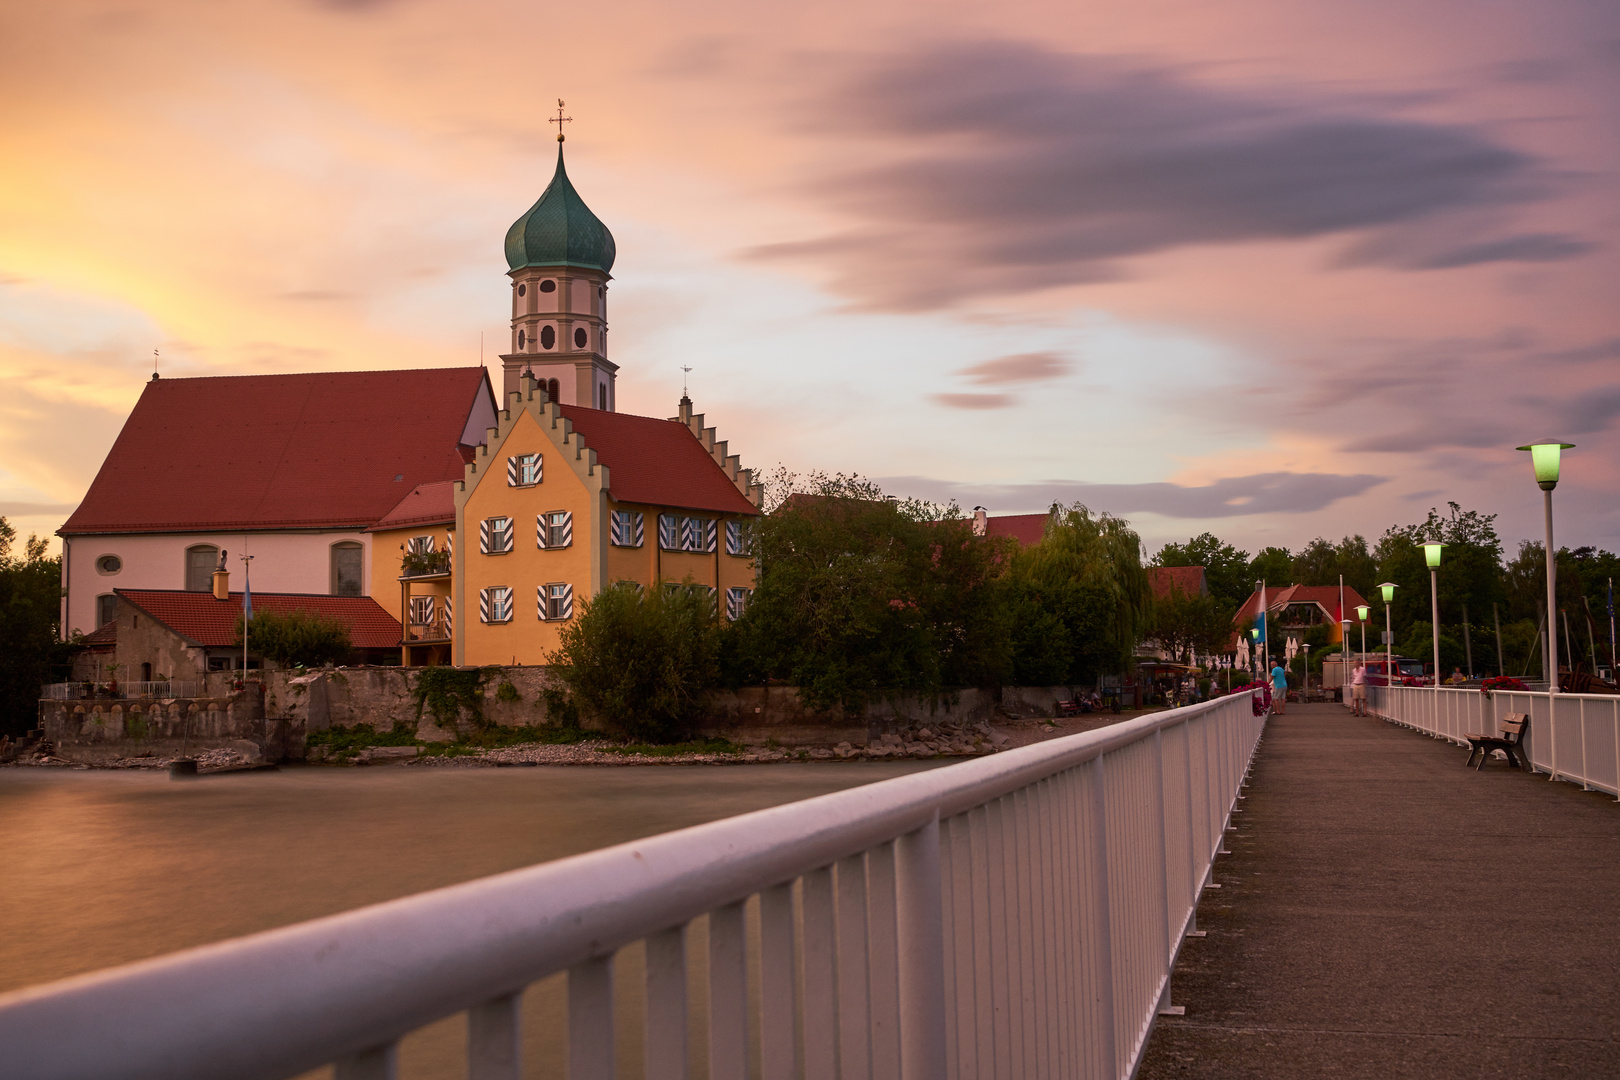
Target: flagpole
247	611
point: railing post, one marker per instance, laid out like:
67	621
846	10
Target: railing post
590	1020
494	1048
666	1020
728	994
922	965
1098	821
378	1063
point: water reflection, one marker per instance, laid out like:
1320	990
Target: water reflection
103	868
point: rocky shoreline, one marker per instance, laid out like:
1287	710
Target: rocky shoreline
919	742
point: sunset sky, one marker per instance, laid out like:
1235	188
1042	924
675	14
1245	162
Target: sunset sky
1270	268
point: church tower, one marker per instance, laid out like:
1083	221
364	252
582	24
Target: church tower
560	254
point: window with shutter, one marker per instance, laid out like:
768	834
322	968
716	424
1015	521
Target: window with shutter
421	610
495	535
626	530
692	534
559	528
736	602
495	604
711	535
739	538
556	602
669	532
420	545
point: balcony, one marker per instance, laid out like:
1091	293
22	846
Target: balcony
421	565
434	630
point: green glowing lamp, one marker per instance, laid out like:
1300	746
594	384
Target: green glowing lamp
1544	458
1389	588
1361	612
1431	554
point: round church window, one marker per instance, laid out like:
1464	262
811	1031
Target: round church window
109	564
548	336
580	338
548	286
522	288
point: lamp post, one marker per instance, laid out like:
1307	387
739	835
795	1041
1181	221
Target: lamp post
1307	648
1388	589
1264	626
1431	554
1254	653
1362	611
1544	459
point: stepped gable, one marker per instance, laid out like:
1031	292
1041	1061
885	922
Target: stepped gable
208	622
658	462
248	452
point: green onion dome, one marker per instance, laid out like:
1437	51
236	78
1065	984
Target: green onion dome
560	230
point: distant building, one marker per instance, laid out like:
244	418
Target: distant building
1293	610
410	503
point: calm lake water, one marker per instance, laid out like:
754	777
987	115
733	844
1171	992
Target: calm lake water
103	868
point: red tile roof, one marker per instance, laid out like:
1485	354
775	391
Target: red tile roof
1188	580
658	462
1279	597
427	504
318	450
1027	529
102	637
200	618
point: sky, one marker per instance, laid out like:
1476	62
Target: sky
1274	269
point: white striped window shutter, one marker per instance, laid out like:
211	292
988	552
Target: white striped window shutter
711	535
485	599
563	528
567	602
540	531
449	617
737	538
500	535
512	472
669	532
736	602
523	470
483	536
540	601
641	529
449	543
691	534
619	528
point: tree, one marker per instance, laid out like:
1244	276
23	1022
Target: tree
30	622
1274	566
642	660
1088	572
1184	624
1226	569
1470	572
1321	562
861	597
297	637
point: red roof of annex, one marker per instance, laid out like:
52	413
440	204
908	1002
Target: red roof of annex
658	462
200	618
319	450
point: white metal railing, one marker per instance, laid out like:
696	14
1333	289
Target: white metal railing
80	691
1573	737
1013	916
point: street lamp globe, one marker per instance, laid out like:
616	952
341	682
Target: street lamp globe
1388	589
1544	459
1362	611
1431	554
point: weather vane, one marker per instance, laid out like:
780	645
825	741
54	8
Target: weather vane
560	120
154	364
688	371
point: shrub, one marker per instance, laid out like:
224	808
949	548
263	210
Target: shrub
297	637
642	660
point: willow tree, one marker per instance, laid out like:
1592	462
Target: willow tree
1087	572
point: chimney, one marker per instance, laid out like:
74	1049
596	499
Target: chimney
222	584
980	521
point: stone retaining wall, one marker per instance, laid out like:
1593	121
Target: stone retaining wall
233	715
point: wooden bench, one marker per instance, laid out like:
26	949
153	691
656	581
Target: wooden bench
1068	708
1511	739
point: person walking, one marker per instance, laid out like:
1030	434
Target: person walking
1358	689
1279	688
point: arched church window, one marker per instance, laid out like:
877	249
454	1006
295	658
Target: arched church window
106	608
521	339
548	286
201	562
548	337
522	288
601	397
580	337
553	389
346	560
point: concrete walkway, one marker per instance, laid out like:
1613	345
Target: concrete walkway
1387	913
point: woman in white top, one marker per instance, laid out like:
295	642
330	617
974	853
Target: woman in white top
1358	689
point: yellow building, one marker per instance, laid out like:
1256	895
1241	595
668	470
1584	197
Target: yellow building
564	501
412	546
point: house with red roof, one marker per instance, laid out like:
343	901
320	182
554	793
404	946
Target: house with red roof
565	501
290	469
1294	609
181	634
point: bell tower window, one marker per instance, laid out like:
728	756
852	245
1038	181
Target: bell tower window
580	337
548	286
522	288
521	339
548	337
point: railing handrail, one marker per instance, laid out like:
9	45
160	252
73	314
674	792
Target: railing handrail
283	1001
121	691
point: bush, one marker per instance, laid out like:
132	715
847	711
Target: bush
642	660
298	637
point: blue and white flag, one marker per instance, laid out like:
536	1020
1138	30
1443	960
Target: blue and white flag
247	596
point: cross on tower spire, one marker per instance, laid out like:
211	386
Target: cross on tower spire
560	120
